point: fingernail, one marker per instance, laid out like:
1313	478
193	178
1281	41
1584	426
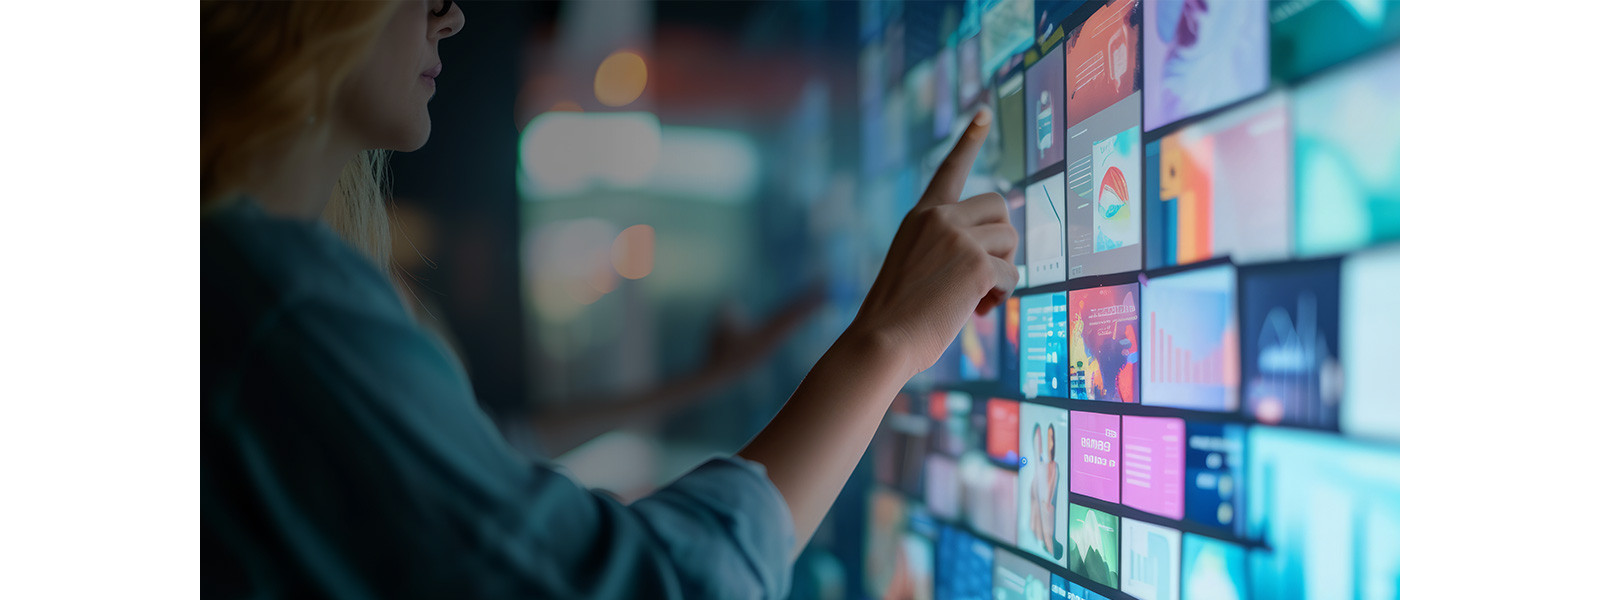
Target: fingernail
982	118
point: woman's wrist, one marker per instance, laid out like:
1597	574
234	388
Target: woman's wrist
878	349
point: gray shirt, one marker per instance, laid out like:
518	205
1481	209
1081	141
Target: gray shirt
343	456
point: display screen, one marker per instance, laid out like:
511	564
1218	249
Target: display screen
1150	560
1212	569
1103	61
1017	578
1017	209
1192	341
980	347
1152	465
1042	481
1104	182
1369	293
1007	30
1011	347
1094	545
1214	476
989	494
1003	422
1014	128
1347	157
942	484
1310	36
1044	356
1201	55
1193	391
1096	455
1046	111
1047	261
1220	188
1290	341
1103	343
1329	511
965	565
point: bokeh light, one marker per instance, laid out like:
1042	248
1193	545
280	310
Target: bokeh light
634	252
620	79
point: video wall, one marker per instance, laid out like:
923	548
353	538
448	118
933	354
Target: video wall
1194	393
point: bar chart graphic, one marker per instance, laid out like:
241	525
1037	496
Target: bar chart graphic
1191	336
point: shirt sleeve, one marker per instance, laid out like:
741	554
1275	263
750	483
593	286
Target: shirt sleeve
350	460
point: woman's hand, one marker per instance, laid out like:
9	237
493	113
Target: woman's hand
949	259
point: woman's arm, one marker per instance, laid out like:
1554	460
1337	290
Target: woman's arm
948	260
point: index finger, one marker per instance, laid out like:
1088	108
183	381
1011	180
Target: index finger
945	187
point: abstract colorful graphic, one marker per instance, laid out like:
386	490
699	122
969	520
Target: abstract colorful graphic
1310	36
1103	339
1103	60
980	341
1201	55
1116	195
1094	548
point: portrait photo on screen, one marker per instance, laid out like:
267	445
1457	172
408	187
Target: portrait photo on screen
1310	36
1221	187
1191	336
1017	578
1104	180
1152	465
1042	483
1347	157
1150	560
1214	466
1046	206
1199	56
1292	373
1094	540
1103	343
980	346
1103	61
1328	511
1369	292
989	495
1046	110
1004	416
964	565
1096	469
1044	335
1212	569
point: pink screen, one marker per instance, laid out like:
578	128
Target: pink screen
1095	453
1152	465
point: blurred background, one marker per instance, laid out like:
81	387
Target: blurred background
640	222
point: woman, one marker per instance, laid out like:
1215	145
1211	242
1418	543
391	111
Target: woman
343	454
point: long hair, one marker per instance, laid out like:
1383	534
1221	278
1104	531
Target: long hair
267	70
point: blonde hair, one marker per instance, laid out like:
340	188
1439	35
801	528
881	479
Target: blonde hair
267	69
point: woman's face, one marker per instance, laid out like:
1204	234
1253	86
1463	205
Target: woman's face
384	103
